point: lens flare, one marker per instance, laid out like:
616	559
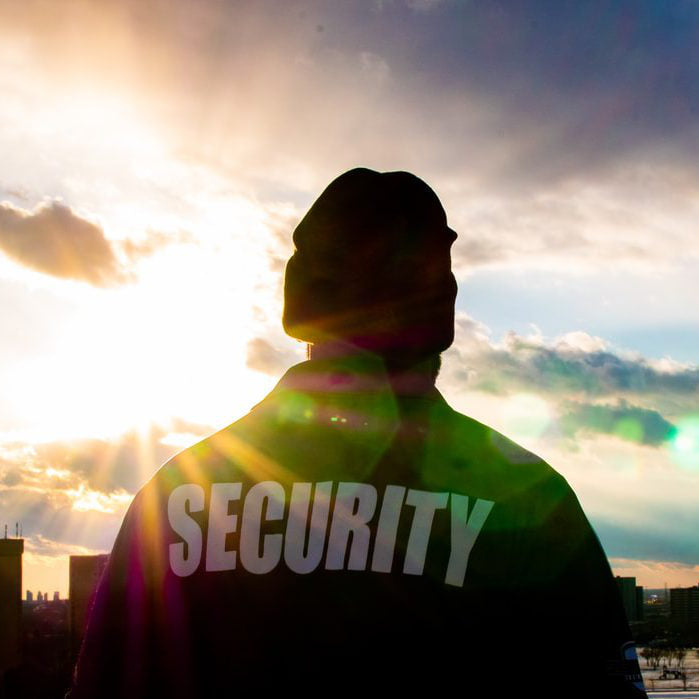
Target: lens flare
526	416
685	443
629	429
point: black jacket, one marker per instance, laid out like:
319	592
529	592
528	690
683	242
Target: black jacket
439	555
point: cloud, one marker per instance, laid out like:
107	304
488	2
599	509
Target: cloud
626	421
10	477
375	66
19	193
572	365
551	133
578	85
652	540
39	545
423	5
152	242
526	92
97	469
73	495
587	226
53	517
108	466
263	356
54	240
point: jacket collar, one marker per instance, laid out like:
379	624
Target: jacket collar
357	375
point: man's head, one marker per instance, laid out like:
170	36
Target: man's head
372	268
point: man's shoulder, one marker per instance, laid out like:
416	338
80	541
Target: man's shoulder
203	461
508	467
468	431
459	451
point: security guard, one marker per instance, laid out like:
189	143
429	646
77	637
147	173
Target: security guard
353	533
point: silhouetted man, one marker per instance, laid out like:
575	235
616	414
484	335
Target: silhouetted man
353	533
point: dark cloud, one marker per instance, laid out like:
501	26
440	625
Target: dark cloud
626	421
574	85
263	356
663	537
54	240
522	92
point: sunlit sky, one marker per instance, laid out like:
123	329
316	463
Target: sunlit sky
155	158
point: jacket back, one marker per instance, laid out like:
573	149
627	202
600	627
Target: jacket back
343	537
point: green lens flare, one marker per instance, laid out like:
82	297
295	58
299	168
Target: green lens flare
685	443
526	416
296	407
629	429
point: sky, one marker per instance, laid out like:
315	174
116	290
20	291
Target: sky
156	157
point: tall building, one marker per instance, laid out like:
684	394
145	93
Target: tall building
632	597
56	596
640	603
684	604
84	572
30	596
11	551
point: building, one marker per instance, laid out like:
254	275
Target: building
11	551
56	596
684	604
640	603
30	596
632	597
84	573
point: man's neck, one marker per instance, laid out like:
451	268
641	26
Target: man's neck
406	376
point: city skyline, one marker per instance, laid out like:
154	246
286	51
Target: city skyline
155	163
86	565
